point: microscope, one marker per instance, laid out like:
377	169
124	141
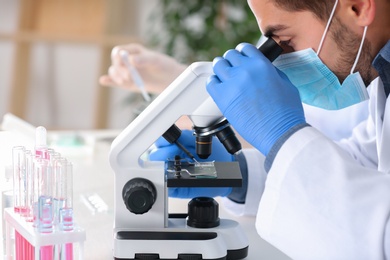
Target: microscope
143	226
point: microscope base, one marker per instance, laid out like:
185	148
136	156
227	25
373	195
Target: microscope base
178	241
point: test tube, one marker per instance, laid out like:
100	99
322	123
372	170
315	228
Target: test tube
22	181
60	188
19	168
38	168
29	187
45	206
53	155
69	186
44	218
43	190
41	149
30	197
65	194
66	216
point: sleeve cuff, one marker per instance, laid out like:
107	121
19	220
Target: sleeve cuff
275	148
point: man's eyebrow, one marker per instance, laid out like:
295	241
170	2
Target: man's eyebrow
272	29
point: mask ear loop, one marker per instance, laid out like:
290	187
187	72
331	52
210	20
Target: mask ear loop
359	51
327	27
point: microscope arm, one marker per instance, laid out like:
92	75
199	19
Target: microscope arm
187	95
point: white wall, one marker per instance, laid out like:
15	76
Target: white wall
64	77
8	10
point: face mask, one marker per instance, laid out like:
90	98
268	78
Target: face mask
318	86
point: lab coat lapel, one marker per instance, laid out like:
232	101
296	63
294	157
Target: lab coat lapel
382	111
384	147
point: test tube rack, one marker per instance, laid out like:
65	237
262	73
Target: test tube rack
15	222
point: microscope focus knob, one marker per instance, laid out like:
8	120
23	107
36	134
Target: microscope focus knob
203	213
139	195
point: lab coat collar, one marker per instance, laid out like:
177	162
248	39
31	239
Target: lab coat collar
382	64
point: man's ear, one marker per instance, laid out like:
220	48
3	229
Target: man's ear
362	12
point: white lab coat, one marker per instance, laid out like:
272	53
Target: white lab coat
327	200
336	125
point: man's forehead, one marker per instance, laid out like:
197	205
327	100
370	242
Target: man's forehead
272	19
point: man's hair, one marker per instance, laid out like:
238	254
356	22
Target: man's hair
320	8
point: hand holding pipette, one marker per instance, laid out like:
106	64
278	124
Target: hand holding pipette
157	69
134	73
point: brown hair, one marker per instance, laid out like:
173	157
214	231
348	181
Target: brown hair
320	8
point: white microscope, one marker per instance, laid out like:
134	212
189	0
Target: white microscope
143	227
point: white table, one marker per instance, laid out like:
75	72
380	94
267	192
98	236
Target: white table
94	199
94	178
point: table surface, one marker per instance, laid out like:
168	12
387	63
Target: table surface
93	189
94	181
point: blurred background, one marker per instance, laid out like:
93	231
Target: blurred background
53	52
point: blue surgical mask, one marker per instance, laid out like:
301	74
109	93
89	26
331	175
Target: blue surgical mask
318	86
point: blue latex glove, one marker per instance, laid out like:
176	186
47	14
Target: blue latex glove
166	150
258	100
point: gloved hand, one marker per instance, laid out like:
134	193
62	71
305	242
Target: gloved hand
157	70
258	100
166	150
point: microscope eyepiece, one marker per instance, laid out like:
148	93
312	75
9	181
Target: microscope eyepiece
271	49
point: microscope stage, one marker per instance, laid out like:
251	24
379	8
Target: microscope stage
227	175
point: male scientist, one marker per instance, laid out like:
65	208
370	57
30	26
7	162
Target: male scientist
321	199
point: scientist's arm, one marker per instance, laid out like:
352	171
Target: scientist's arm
318	201
156	69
